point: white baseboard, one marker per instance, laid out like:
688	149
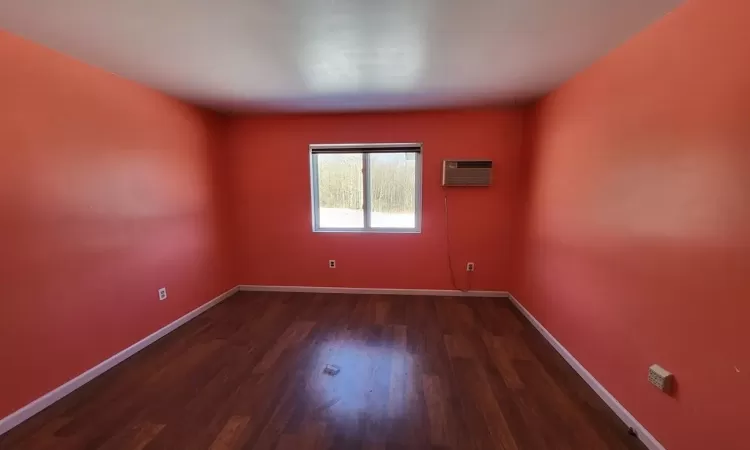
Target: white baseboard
58	393
371	291
627	418
630	421
51	397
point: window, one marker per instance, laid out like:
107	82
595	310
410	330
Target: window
366	187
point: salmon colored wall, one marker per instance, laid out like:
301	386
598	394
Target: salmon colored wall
276	244
639	228
106	194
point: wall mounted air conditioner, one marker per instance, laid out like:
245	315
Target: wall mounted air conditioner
467	172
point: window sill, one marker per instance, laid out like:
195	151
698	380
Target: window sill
370	231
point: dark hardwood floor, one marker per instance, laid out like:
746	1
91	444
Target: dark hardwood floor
415	372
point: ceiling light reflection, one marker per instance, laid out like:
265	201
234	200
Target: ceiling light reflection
374	381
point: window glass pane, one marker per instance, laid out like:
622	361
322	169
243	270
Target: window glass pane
340	190
393	189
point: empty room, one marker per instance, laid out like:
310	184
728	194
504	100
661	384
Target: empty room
352	224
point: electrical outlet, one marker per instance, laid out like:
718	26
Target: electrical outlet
163	294
331	263
661	378
470	267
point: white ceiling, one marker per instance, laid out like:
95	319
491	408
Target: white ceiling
336	54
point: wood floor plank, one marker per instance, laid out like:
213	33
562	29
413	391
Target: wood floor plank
458	346
381	312
229	434
293	335
501	358
146	433
413	372
437	409
478	391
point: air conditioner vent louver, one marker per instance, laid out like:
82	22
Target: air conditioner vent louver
467	173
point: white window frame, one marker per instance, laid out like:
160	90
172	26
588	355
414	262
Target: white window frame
366	150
